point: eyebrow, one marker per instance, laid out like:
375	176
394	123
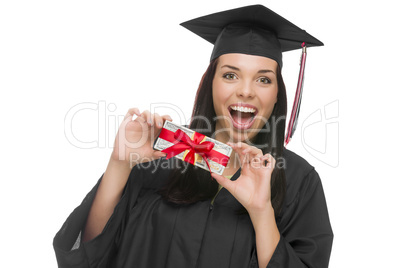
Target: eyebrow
237	69
231	67
265	71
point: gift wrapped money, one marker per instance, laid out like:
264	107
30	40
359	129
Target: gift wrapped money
193	147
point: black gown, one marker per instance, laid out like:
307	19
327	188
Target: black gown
147	232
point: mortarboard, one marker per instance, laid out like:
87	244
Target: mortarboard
255	30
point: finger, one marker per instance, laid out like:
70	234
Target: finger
131	112
268	161
254	156
224	182
158	121
166	117
254	151
247	153
158	154
241	146
237	147
140	119
147	116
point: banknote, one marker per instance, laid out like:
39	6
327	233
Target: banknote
161	144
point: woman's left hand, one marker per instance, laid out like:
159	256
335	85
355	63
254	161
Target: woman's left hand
253	187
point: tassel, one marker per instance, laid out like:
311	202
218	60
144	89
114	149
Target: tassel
298	96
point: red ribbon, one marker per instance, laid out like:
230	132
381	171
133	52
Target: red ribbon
183	142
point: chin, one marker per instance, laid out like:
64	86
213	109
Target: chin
245	136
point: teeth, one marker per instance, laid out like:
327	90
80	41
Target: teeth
243	109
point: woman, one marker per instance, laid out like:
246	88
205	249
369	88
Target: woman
163	213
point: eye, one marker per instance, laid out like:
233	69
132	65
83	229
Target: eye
229	76
264	80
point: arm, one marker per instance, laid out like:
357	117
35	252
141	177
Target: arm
107	196
303	235
129	142
98	220
266	234
253	190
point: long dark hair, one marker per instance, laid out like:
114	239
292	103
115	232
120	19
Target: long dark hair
188	184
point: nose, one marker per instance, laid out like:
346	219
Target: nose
245	90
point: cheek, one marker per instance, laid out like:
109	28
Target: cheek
219	95
268	101
215	91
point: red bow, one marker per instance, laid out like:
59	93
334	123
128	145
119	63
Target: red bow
183	142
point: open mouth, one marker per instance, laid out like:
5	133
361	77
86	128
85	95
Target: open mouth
242	115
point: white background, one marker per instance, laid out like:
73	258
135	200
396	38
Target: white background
55	55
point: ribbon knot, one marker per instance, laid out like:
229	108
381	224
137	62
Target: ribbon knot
194	146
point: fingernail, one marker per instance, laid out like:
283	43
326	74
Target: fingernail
160	124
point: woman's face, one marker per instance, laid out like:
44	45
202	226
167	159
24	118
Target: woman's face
244	92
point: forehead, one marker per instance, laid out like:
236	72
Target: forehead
247	62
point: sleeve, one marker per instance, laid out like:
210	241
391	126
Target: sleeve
72	252
306	234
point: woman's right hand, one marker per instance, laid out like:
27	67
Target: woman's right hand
133	145
134	139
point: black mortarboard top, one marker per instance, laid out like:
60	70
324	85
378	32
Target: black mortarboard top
254	30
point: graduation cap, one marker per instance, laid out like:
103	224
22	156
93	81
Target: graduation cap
256	30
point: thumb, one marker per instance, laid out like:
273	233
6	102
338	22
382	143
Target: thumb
158	154
224	182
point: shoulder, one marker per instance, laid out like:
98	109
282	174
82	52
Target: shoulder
295	165
301	177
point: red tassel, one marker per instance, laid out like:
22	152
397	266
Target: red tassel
297	100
